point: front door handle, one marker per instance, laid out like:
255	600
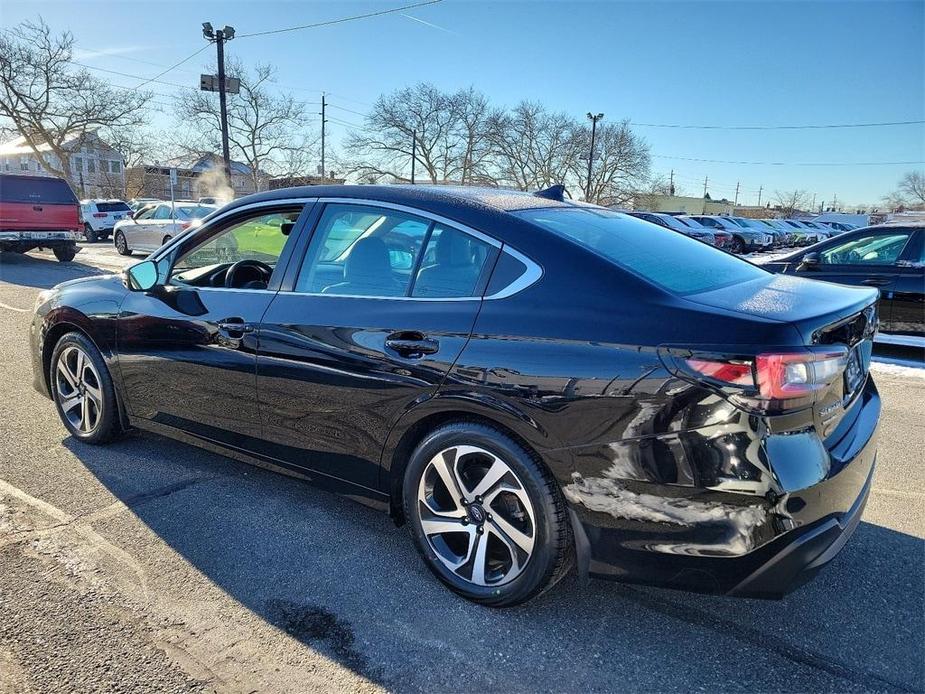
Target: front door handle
411	344
876	281
235	325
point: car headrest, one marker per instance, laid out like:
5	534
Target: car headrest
368	258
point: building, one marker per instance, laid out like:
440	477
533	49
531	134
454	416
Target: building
202	177
294	181
680	203
96	169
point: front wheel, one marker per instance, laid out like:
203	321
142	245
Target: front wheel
738	245
65	254
90	234
82	390
122	244
488	519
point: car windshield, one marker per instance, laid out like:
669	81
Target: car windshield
673	222
670	260
749	223
112	207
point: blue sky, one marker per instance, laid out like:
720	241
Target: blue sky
701	63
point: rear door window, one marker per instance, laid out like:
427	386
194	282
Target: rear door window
452	264
673	261
51	191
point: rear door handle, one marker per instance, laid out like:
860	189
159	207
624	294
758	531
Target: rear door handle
876	282
37	208
411	344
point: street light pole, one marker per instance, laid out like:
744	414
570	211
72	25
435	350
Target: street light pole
414	152
594	119
218	38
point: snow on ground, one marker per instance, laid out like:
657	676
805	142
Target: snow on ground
908	368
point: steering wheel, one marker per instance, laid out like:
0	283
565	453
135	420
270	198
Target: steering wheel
242	266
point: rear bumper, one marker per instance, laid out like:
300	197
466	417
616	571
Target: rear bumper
39	236
729	542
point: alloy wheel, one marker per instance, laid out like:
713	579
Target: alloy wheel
476	515
121	245
79	389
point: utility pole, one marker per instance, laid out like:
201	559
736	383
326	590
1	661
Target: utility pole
835	203
760	188
414	152
671	183
218	38
594	119
736	201
813	206
704	209
323	122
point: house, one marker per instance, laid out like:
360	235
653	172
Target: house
196	178
96	169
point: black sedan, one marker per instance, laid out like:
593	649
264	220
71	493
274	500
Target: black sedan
529	383
888	257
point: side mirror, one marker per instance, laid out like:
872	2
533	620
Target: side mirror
141	277
810	261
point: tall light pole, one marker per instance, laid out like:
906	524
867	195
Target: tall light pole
324	121
218	38
594	119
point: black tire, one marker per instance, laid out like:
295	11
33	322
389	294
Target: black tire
552	553
121	244
106	426
738	245
65	254
90	234
166	239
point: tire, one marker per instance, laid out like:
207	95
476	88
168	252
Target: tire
121	244
90	234
65	254
166	239
521	512
82	390
738	245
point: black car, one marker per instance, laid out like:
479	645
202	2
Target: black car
888	257
529	383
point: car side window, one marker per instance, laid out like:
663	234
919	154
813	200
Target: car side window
147	214
260	237
362	250
868	249
452	264
161	212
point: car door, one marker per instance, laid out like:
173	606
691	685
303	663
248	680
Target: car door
908	311
134	230
158	226
866	259
368	322
187	348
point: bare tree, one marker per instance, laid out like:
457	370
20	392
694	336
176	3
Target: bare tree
49	103
532	148
653	189
450	132
266	131
620	163
912	187
790	202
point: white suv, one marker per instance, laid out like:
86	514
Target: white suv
100	216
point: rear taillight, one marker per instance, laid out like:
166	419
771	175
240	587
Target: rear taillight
769	382
184	226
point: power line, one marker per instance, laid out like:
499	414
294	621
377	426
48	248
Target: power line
175	65
348	110
137	77
792	163
779	127
331	22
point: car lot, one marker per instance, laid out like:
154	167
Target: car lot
162	567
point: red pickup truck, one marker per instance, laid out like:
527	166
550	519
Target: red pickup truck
39	212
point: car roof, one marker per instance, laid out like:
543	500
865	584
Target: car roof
425	197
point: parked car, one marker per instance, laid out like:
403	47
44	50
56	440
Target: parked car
887	257
542	384
669	222
744	238
154	225
838	226
777	238
781	237
100	216
805	235
793	235
137	203
38	212
818	226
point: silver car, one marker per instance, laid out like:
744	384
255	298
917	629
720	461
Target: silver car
154	225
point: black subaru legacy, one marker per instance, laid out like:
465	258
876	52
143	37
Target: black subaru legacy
530	384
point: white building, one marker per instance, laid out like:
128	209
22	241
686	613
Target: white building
96	170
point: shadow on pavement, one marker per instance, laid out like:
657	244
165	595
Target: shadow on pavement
345	581
29	270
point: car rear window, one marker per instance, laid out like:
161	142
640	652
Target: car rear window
112	207
675	262
27	189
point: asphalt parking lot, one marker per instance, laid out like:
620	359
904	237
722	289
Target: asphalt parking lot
149	565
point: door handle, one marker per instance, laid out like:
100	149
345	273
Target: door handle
37	208
876	282
411	344
235	325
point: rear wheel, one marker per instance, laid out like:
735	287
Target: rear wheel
65	253
122	244
487	518
738	245
90	234
166	239
82	390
